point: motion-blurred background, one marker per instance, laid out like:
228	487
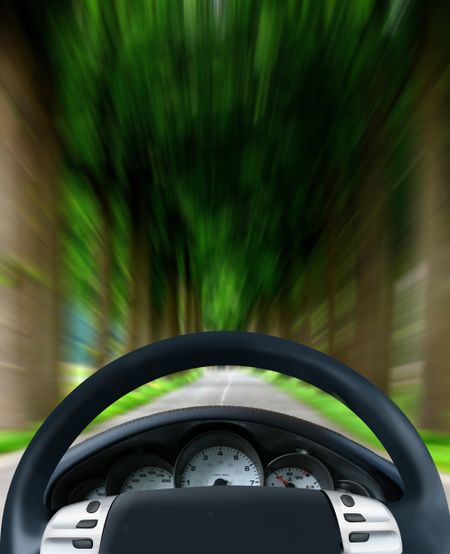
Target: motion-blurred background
168	166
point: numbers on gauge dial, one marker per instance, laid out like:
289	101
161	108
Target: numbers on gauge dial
148	478
292	477
96	493
220	466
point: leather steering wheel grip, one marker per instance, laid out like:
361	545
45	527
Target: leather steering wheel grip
422	513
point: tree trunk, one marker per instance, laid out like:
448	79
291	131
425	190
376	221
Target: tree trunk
105	261
304	333
194	317
140	302
274	323
198	317
345	291
374	295
169	324
190	303
434	206
29	296
183	305
261	317
286	319
331	287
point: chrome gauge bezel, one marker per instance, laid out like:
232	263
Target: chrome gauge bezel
213	439
305	462
352	487
122	469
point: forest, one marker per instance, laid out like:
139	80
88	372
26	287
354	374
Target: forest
170	166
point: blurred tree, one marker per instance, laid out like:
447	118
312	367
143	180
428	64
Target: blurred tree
434	205
245	165
89	131
29	248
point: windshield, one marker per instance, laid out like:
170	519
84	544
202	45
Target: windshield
175	167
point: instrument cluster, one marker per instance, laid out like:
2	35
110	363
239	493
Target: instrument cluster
214	459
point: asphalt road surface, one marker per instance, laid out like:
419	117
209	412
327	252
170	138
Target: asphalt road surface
224	387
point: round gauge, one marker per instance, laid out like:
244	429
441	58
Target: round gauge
96	493
148	478
139	472
345	485
91	489
292	477
298	471
218	459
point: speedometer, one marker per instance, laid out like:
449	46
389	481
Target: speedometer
139	472
218	459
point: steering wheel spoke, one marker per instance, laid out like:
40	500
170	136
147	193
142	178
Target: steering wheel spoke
78	526
366	525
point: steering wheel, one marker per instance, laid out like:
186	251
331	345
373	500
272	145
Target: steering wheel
219	518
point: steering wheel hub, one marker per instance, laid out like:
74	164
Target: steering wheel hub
261	519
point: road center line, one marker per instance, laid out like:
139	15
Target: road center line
227	388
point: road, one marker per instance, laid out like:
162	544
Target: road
226	387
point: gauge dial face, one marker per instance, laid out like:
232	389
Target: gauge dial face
139	472
148	478
219	459
300	471
292	477
91	489
220	466
96	494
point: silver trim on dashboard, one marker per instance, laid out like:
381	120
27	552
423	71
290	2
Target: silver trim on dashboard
378	528
61	534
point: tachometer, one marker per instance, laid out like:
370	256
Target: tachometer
298	471
139	472
218	459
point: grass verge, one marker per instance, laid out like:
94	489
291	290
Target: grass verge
11	441
332	409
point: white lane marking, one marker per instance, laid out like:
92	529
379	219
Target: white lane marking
227	388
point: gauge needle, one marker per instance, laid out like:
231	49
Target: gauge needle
220	482
285	482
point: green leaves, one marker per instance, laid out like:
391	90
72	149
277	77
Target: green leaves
230	120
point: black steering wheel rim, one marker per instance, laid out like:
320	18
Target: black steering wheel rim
25	515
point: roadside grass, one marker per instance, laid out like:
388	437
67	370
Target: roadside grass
15	440
11	441
332	409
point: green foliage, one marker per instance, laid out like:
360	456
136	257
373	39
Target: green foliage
16	440
342	417
10	441
232	121
230	134
79	240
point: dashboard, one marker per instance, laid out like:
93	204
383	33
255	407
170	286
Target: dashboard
213	452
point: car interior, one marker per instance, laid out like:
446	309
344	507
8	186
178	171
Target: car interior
221	478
